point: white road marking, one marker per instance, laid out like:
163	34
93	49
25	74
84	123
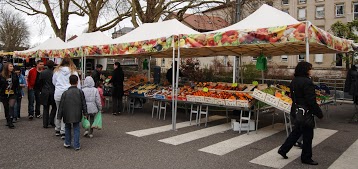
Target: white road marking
348	160
187	137
232	144
155	130
274	160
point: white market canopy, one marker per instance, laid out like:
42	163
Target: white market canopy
156	30
49	44
89	39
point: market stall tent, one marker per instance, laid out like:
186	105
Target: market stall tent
49	44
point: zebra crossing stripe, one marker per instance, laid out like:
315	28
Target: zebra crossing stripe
232	144
187	137
155	130
274	160
348	160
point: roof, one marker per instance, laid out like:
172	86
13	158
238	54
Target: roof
204	23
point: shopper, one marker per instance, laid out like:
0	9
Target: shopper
169	74
93	102
117	92
9	84
100	90
34	89
20	93
303	94
97	73
61	82
47	95
71	108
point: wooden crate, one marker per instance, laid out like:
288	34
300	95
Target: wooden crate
209	100
230	102
200	99
259	95
220	101
271	100
243	103
190	98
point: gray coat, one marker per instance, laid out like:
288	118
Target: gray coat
93	99
72	105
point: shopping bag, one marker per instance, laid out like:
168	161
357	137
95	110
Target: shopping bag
85	123
97	124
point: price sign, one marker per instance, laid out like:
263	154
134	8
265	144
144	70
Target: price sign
205	89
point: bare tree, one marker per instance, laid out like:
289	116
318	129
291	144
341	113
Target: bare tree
14	33
51	9
113	11
150	11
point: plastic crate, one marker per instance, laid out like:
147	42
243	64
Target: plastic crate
200	99
209	100
284	106
271	100
243	103
190	98
259	95
230	102
220	101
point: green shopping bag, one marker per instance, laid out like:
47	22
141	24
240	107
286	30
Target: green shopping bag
97	124
85	123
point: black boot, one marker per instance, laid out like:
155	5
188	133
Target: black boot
7	122
10	123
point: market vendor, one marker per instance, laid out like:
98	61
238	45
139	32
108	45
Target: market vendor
97	73
170	73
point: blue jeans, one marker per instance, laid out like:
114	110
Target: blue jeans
34	95
17	107
76	134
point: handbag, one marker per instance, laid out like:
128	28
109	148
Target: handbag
302	115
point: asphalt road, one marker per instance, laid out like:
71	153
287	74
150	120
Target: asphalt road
31	146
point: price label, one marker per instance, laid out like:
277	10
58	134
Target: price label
234	85
205	89
255	83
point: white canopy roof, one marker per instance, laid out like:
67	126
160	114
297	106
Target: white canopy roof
89	39
156	30
49	44
264	17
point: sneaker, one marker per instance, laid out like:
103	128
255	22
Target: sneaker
14	120
115	114
66	146
85	134
39	116
90	136
31	117
79	148
63	136
58	133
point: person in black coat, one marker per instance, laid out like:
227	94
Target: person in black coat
117	90
97	73
303	94
351	84
169	74
47	95
9	85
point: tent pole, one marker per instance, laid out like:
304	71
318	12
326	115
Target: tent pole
173	87
307	42
234	71
242	70
150	58
177	85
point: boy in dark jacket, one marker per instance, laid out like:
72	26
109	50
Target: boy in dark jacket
72	107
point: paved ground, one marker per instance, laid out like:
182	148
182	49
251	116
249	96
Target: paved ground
31	146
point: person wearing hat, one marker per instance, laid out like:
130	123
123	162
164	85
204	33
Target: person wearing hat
47	95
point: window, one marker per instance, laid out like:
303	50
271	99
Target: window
339	10
319	12
301	1
318	58
285	2
301	14
163	62
339	60
301	58
284	58
355	10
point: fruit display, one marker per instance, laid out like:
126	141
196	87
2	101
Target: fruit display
223	86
